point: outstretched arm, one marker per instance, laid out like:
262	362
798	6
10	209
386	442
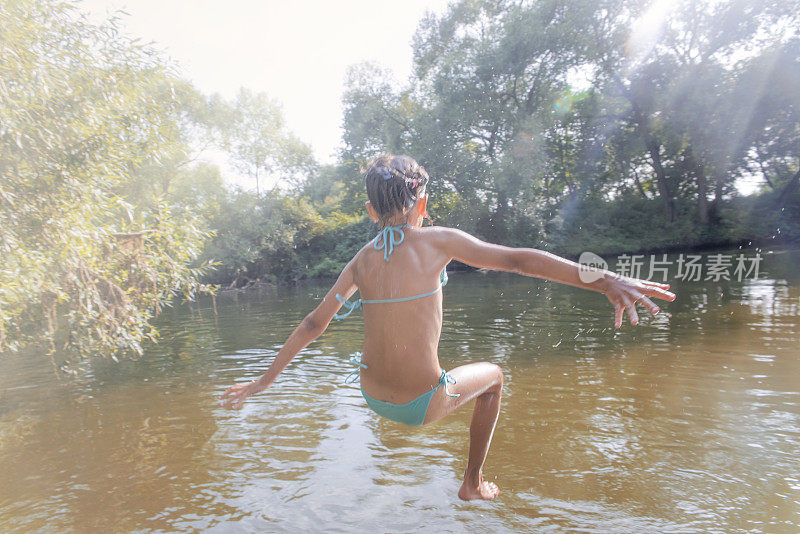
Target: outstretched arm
309	329
622	292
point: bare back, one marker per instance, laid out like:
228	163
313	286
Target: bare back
401	338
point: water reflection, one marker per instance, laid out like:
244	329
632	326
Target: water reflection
690	422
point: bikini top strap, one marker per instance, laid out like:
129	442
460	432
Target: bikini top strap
352	306
347	304
386	240
401	299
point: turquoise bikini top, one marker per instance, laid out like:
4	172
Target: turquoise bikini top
386	240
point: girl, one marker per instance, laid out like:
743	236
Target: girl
400	275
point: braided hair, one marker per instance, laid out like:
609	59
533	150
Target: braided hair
394	184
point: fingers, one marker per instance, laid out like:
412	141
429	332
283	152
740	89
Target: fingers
232	390
638	297
625	296
224	401
630	306
234	403
649	304
617	315
233	397
655	284
657	292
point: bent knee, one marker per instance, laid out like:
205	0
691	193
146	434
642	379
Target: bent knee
499	376
495	372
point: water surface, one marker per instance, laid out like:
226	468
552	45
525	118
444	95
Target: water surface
689	422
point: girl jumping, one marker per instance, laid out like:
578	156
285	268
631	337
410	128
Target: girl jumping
399	275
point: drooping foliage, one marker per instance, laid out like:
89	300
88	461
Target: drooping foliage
85	114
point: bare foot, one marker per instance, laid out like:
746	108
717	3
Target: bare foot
483	490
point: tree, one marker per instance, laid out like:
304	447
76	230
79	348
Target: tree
255	133
83	109
773	132
672	68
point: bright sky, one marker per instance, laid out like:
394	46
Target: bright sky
296	51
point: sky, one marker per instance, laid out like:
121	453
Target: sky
296	51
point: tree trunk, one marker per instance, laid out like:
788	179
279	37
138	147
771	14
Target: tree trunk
702	196
654	148
500	218
718	191
702	186
638	184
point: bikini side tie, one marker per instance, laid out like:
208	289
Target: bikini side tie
386	238
448	379
355	359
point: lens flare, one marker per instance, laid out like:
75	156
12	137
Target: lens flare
647	30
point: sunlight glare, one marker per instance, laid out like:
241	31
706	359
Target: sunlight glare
647	30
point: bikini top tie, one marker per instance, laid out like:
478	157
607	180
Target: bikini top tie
386	240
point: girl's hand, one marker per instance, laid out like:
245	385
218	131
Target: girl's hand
236	395
624	293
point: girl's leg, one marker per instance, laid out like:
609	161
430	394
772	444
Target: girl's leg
483	382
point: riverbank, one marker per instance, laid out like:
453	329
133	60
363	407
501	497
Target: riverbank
623	226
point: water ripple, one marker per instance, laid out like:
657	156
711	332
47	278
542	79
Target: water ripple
688	423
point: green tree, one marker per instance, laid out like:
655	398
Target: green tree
679	100
83	109
773	119
668	71
255	134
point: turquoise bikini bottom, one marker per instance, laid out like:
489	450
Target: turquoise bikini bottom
411	413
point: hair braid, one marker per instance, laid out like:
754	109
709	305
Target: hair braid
394	184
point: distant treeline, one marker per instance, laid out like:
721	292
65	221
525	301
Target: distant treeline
608	126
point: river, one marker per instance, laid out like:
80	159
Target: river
689	422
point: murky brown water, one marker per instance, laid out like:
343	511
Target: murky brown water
689	422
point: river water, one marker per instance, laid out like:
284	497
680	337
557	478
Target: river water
689	422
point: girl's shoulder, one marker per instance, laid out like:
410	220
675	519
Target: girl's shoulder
448	241
444	238
437	231
445	234
367	246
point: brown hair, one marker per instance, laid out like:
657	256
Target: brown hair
394	184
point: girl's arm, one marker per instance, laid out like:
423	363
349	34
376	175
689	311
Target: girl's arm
622	292
309	329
